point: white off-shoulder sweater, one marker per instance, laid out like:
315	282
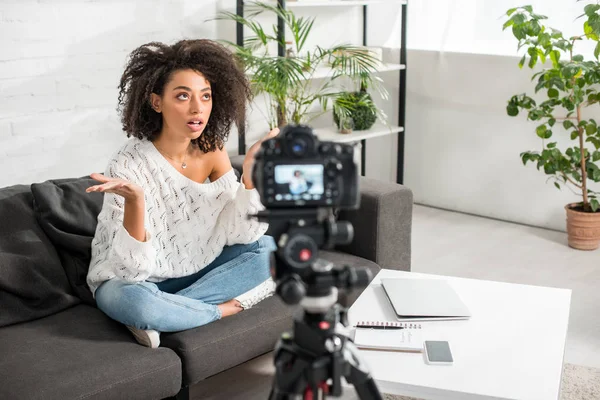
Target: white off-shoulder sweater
187	223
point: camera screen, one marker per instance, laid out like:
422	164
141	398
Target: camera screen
299	182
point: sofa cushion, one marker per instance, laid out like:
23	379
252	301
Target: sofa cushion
220	345
33	283
81	353
213	348
69	217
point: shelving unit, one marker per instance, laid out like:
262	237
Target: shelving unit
329	133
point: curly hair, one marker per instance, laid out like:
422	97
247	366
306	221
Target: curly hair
149	69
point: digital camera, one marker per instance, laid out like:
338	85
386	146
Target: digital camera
296	170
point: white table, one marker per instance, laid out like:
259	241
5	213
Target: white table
511	348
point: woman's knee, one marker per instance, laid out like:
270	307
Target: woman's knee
266	243
125	302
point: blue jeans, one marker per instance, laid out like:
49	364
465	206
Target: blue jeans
187	302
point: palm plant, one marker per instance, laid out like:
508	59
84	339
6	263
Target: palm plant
288	81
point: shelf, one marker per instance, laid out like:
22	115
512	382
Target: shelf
379	129
325	72
336	3
332	135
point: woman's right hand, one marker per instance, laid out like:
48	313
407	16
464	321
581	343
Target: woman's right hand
129	191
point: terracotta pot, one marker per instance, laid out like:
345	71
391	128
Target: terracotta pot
583	228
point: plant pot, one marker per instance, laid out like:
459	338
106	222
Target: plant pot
583	228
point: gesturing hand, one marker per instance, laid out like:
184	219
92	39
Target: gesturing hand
249	159
129	191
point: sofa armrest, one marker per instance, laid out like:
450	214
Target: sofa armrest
382	224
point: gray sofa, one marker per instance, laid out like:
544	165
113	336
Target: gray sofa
54	342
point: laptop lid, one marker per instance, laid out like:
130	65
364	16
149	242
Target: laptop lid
422	299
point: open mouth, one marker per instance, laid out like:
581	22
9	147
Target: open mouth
195	124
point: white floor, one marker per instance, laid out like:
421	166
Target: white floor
450	243
455	244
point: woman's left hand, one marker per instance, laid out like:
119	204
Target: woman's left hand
249	159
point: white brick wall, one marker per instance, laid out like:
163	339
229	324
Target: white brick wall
60	64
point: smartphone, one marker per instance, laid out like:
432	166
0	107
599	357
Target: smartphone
438	353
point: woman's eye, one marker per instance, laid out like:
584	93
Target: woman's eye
182	96
206	96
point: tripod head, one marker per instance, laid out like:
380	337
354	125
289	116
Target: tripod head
301	277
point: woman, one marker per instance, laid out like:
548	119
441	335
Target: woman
174	248
297	183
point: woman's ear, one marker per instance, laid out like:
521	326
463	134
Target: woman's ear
155	102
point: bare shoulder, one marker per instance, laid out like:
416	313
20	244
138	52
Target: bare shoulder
220	164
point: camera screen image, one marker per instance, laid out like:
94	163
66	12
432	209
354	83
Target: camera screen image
299	182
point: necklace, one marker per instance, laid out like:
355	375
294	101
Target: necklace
183	164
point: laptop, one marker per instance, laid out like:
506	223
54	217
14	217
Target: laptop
424	299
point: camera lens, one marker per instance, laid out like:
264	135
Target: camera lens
298	147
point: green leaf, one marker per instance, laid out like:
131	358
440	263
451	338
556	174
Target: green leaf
519	32
552	93
522	62
541	130
551	122
590	9
590	129
508	23
518	19
597	50
555	57
511	11
551	145
569	71
525	158
578	58
528	8
589	31
594	204
596	155
549	168
568	124
512	110
557	185
595	141
574	135
533	54
556	34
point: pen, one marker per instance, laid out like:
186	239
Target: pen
379	327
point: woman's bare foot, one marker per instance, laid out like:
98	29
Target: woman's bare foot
230	307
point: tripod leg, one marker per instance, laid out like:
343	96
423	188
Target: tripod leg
359	375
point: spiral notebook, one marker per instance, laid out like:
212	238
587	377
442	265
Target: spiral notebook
390	336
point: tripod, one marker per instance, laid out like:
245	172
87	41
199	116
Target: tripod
310	362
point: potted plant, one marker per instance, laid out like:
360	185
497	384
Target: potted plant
568	85
288	80
355	111
360	105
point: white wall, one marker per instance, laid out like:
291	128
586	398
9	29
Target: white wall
462	150
60	64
